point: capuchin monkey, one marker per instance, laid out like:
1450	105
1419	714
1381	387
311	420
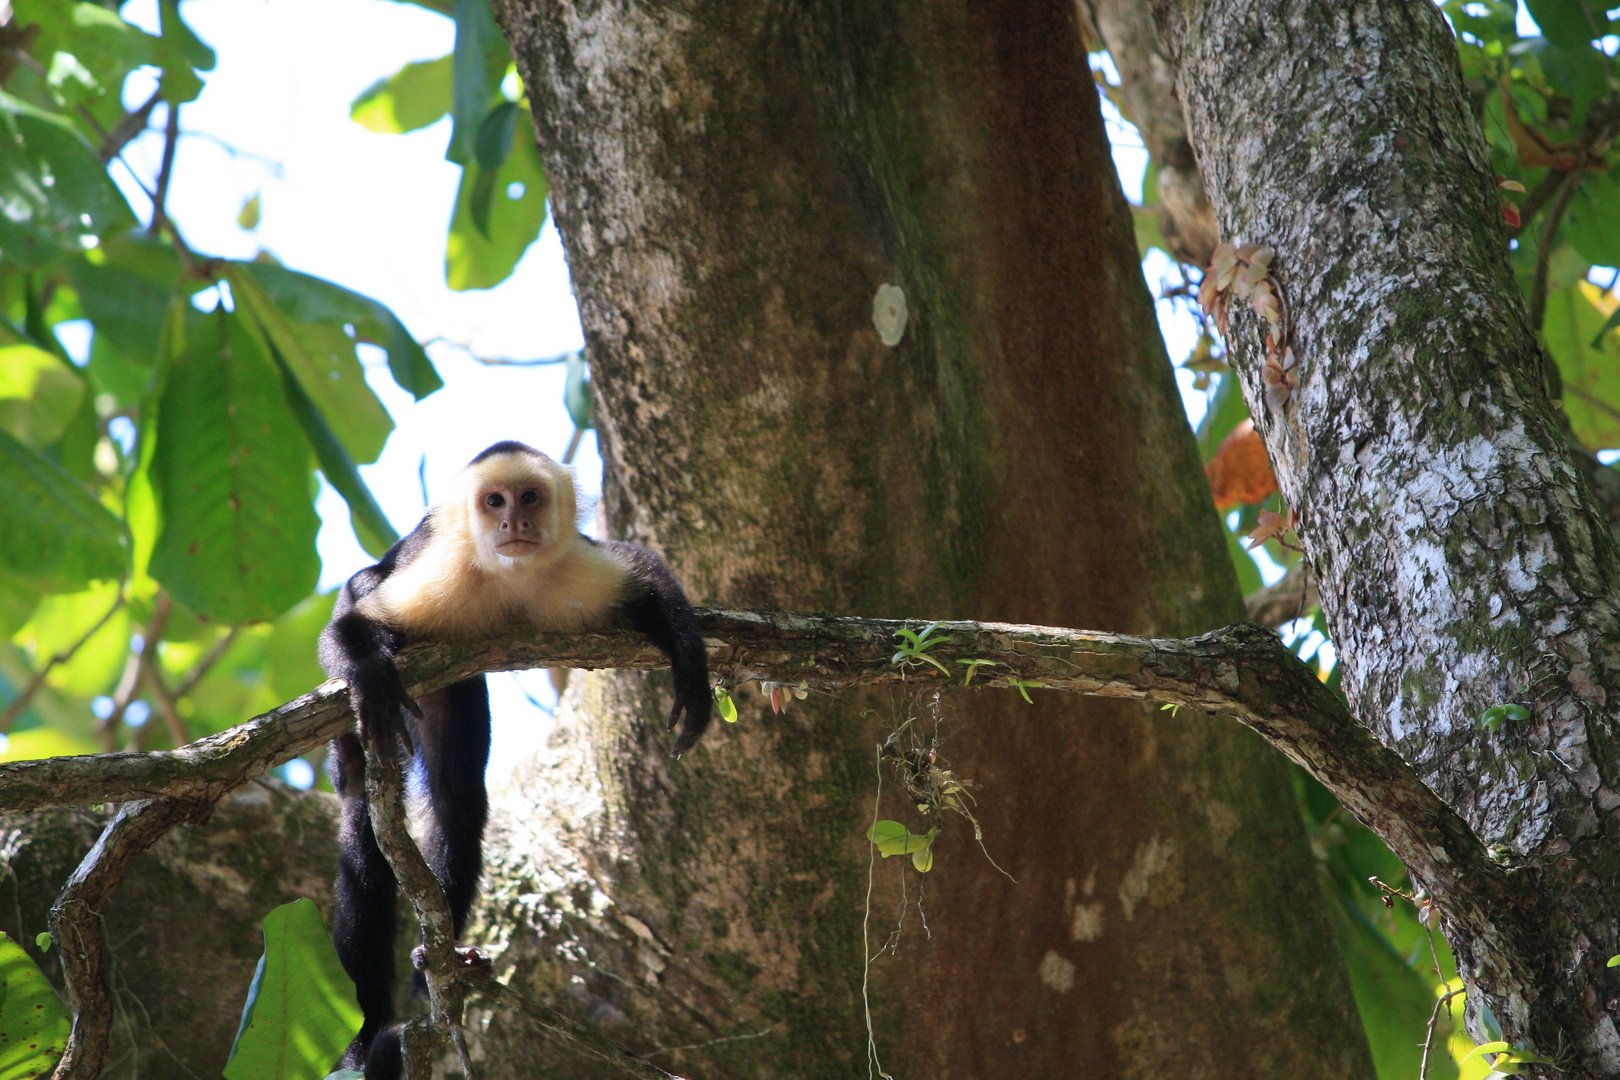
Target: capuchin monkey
502	548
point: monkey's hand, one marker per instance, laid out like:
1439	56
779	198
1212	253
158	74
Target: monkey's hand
694	698
378	696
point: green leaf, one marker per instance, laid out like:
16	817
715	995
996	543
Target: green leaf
300	1012
38	394
893	838
480	258
1614	961
480	59
54	191
316	301
413	97
726	707
181	54
1570	23
577	393
1592	222
1393	999
53	532
316	352
238	528
248	218
1590	373
923	858
33	1021
371	526
494	139
42	941
1485	1048
127	311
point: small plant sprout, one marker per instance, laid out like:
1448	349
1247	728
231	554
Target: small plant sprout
1172	707
782	693
1509	1058
42	941
973	667
913	648
1614	961
724	705
1024	686
1493	717
893	838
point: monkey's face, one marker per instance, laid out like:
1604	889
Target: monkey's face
514	518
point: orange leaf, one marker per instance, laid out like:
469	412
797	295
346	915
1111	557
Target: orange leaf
1270	525
1240	472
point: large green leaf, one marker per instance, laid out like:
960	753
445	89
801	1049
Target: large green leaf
1570	23
1588	362
237	541
53	533
312	300
127	310
319	355
480	59
300	1011
481	258
411	98
371	525
39	394
1592	222
53	189
34	1023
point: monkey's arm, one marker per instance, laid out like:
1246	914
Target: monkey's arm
360	649
657	607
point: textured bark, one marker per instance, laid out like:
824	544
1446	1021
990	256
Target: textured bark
182	929
1147	84
733	182
1462	560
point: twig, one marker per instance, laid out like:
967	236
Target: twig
171	139
1277	605
75	922
1549	233
166	698
132	124
20	702
205	664
1428	1039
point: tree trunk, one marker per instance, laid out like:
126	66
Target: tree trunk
1462	561
733	183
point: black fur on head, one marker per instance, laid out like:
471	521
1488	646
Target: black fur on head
506	446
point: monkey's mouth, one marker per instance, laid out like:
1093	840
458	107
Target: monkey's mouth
516	546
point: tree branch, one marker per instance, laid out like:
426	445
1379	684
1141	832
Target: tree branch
1241	671
75	923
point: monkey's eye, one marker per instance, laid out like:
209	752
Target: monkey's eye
530	497
495	500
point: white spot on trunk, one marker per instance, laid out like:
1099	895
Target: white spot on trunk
1152	858
1057	972
1088	922
889	314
